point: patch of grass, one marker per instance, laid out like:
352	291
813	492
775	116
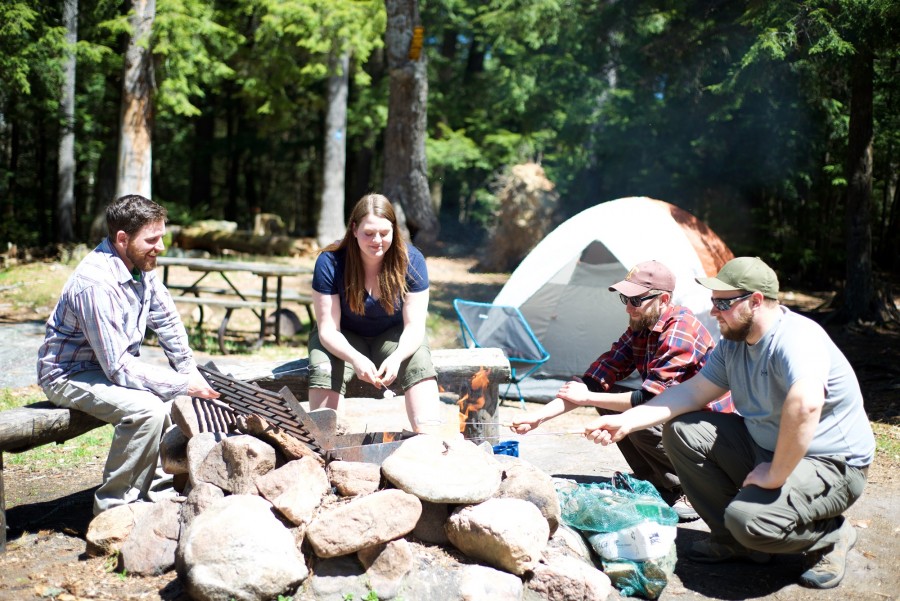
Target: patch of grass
34	285
93	445
887	441
74	452
19	397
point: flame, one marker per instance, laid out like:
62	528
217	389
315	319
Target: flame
476	401
388	436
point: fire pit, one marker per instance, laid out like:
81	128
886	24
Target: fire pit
282	410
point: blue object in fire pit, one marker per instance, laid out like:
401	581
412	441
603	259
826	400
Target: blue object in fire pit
509	447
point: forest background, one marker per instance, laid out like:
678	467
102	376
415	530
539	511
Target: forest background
776	122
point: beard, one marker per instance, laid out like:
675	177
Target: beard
644	322
144	262
739	331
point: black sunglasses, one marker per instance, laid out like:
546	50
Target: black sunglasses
724	304
636	301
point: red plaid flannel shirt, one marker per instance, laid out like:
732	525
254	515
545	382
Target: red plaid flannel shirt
672	351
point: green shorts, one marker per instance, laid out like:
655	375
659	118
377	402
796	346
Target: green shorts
328	372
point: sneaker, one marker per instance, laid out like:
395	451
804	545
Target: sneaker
708	551
684	509
679	502
830	564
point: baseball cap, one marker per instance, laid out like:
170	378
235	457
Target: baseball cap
744	273
649	275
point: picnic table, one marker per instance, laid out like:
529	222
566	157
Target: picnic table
231	297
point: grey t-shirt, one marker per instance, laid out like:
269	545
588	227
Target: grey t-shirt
759	377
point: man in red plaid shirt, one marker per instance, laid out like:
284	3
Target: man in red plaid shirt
667	345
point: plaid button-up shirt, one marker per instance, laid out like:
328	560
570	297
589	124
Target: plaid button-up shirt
672	351
99	323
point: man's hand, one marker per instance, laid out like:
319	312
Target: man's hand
762	477
606	429
574	391
199	387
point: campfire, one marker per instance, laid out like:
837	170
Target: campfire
474	399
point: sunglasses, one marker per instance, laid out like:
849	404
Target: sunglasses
635	301
724	304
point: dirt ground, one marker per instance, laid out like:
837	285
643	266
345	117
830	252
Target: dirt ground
45	559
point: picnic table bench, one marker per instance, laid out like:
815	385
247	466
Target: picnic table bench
474	374
232	297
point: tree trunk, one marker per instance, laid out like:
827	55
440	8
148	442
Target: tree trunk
859	294
405	168
202	157
134	164
330	226
65	205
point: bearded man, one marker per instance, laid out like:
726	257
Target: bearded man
90	356
777	476
666	344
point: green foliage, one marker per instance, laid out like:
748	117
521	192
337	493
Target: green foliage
737	112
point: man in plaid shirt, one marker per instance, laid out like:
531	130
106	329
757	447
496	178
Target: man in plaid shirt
667	345
90	358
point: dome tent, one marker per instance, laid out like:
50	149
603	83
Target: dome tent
561	286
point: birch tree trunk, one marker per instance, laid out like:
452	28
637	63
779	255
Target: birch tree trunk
405	166
134	162
331	224
65	205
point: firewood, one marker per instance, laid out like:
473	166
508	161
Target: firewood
292	448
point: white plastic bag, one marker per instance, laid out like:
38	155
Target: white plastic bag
647	540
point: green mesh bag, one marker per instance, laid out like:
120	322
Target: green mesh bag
622	504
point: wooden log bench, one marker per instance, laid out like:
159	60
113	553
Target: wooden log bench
25	428
473	374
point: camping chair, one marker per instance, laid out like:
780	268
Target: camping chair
484	325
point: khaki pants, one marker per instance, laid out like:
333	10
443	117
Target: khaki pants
713	453
140	418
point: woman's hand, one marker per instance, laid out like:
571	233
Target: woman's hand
389	369
366	370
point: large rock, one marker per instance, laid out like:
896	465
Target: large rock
353	478
234	464
564	578
522	480
443	471
509	534
386	566
198	449
430	527
107	531
184	416
295	489
478	582
201	497
149	549
363	522
173	451
237	549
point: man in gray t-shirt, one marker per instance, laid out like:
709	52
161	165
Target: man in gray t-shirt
776	476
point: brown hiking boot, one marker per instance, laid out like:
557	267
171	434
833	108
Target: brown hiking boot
830	564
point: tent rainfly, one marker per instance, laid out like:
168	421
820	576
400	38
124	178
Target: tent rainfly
561	286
